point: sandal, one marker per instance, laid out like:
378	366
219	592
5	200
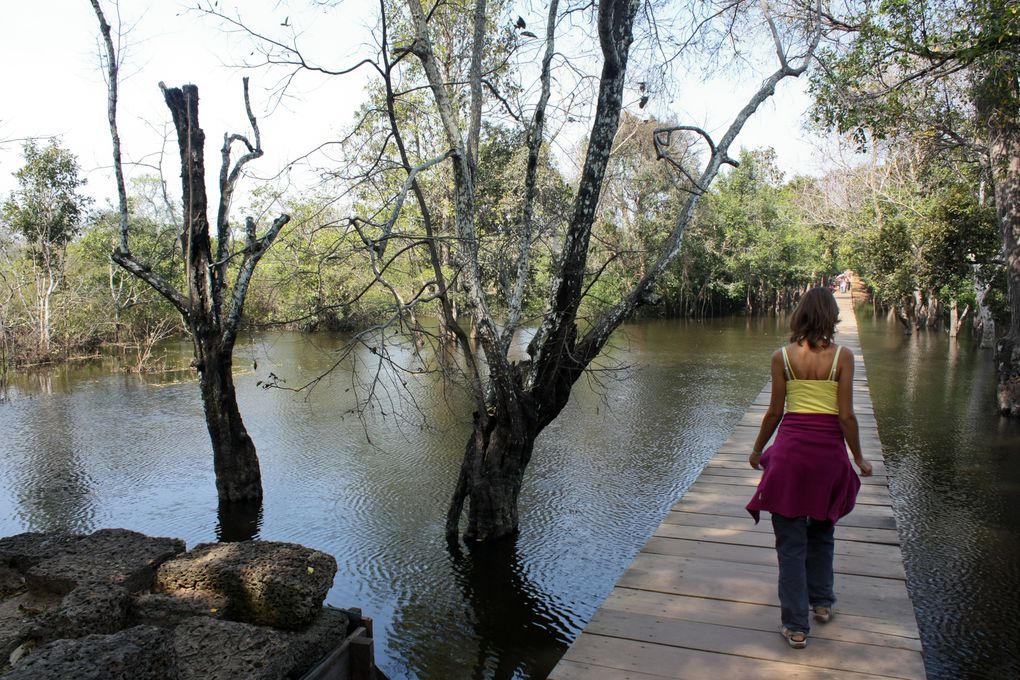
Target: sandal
823	613
795	638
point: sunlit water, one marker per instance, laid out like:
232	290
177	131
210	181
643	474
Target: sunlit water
88	447
955	481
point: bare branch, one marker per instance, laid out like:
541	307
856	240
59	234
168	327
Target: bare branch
536	133
379	245
112	84
253	252
595	339
143	272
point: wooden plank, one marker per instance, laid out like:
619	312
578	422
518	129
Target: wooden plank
843	532
756	584
765	539
747	472
571	670
745	486
755	644
689	664
862	629
747	554
871	516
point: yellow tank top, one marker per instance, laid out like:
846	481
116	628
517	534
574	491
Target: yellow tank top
811	396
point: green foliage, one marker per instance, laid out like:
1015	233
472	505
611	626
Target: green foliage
925	232
502	157
914	68
46	209
751	246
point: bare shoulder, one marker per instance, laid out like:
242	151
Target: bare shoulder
845	364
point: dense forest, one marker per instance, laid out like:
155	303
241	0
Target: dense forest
920	234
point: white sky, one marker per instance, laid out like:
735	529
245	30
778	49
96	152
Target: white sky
53	86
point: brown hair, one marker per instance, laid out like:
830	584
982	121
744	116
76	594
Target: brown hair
815	318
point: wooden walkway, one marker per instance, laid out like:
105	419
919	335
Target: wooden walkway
699	601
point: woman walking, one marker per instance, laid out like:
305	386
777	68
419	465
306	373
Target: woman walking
808	483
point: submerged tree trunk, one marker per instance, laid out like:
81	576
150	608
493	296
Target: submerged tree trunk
984	323
933	314
492	473
235	462
956	317
995	101
210	308
902	313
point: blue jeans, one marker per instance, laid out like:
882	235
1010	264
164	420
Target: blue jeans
805	549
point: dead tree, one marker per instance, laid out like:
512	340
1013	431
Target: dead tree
212	310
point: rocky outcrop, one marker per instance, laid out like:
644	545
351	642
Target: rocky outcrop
88	609
265	583
62	563
207	649
139	653
118	604
167	610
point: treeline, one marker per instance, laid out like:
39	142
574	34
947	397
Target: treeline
914	230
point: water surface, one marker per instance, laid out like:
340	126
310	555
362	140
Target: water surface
955	480
88	447
85	448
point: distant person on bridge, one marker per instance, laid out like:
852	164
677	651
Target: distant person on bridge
808	483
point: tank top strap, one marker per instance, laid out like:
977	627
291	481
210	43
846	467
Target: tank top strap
835	358
789	367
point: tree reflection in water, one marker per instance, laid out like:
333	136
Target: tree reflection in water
238	521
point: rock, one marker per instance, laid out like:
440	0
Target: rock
12	634
270	584
93	608
167	610
11	581
309	646
139	653
118	556
23	551
18	614
208	649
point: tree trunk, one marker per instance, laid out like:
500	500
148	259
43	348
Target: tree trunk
933	314
983	318
995	101
234	459
497	455
902	314
956	318
920	311
492	471
235	462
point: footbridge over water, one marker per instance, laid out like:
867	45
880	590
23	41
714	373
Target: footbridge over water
699	601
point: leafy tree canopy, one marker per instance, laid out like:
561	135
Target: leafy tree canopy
47	208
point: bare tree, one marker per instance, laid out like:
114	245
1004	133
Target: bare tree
516	399
521	398
211	308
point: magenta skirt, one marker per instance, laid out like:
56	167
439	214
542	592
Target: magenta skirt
807	471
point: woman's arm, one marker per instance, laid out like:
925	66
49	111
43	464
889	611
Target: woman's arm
775	410
847	417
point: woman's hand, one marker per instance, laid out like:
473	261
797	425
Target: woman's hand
755	458
864	466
